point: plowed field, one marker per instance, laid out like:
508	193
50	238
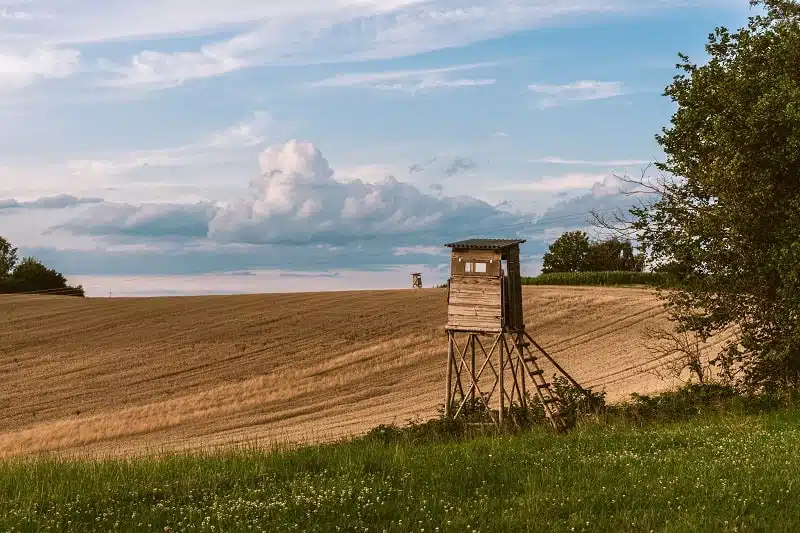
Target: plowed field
125	376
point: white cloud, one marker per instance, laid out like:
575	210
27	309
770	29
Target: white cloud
298	200
60	201
567	182
148	220
590	163
22	69
579	91
300	32
411	81
218	147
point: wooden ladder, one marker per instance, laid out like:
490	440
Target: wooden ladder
543	391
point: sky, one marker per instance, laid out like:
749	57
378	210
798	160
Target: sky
192	147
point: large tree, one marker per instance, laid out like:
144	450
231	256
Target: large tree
727	212
574	252
30	275
567	253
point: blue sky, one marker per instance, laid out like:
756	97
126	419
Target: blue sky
207	146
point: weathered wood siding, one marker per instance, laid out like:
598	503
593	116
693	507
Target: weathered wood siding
475	302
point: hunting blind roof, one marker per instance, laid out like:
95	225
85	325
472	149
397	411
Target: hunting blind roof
485	244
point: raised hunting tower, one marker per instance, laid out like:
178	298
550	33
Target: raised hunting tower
416	280
484	301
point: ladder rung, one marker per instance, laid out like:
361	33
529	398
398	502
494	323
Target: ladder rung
524	344
529	359
538	372
548	400
544	385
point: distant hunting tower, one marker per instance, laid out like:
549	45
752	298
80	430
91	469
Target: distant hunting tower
485	302
416	280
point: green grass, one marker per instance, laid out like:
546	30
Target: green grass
723	473
610	279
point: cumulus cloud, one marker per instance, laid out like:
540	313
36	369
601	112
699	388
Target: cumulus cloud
60	201
148	220
298	200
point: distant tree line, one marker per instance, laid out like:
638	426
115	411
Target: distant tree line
30	275
575	252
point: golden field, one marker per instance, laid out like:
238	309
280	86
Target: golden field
123	376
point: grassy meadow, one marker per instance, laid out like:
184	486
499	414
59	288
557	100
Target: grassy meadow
720	473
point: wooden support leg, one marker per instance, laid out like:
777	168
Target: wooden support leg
472	338
502	385
448	401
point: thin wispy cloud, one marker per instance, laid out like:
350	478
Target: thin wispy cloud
302	32
590	163
579	91
19	70
567	182
411	81
214	148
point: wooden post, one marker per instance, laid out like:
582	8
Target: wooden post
472	367
523	373
450	363
501	384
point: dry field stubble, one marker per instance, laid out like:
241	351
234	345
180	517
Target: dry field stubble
127	376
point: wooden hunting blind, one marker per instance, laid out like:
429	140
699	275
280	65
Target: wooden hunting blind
416	280
484	299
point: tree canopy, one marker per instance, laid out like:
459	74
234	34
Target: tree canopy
726	215
574	252
30	275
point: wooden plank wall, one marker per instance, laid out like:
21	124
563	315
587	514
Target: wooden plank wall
475	303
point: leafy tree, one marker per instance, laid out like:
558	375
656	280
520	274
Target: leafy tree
30	275
726	215
613	255
574	252
567	253
8	258
33	273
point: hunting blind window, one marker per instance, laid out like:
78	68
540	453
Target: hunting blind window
476	268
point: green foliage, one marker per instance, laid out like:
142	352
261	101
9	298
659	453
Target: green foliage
609	279
574	252
30	275
695	400
613	255
728	211
567	253
8	258
475	420
714	474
